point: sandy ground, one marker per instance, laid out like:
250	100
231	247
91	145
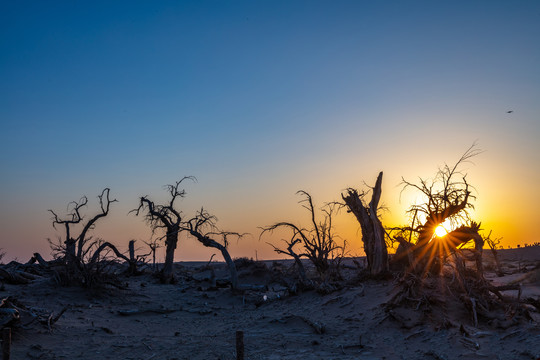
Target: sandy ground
190	320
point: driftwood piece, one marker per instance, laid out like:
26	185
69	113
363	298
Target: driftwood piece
51	319
533	302
318	327
497	290
28	275
131	312
14	308
39	259
161	311
13	277
470	343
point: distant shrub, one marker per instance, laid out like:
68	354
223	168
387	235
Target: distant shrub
243	262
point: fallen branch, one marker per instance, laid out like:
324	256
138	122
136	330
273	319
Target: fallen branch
497	290
12	277
145	311
317	326
51	321
39	259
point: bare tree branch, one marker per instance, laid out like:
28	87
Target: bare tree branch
319	242
203	228
447	197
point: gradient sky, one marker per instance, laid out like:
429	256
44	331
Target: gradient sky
259	99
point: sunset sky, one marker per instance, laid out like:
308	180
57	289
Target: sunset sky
259	99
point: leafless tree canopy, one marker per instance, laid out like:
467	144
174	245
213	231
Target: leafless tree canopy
447	199
75	246
318	242
163	216
81	254
435	268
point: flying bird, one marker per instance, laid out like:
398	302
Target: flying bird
510	111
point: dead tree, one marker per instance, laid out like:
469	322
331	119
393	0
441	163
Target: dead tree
493	244
292	253
202	227
75	247
153	245
437	269
81	255
371	225
319	242
165	217
447	200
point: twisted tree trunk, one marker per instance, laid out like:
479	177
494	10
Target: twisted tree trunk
372	229
425	254
208	242
131	260
167	274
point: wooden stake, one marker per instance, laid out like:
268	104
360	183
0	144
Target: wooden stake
132	260
6	343
132	250
239	345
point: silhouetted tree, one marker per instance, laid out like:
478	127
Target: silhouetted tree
292	253
447	199
75	246
82	255
437	269
493	244
153	245
203	228
319	242
165	217
371	225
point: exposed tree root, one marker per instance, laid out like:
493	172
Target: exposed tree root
484	302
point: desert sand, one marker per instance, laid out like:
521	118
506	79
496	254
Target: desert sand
192	319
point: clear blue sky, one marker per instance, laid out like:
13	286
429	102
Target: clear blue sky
258	99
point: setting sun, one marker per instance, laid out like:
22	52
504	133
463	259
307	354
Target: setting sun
440	231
